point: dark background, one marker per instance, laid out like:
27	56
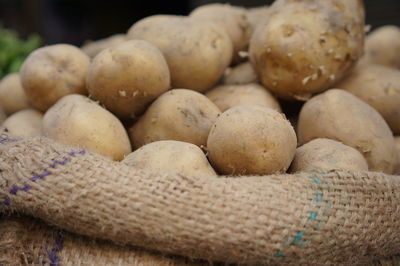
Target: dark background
74	21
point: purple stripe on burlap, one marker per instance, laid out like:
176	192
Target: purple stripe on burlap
53	253
7	140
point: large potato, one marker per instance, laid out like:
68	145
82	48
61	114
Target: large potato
304	47
228	96
51	72
24	123
12	95
379	86
75	120
179	114
240	74
339	115
93	48
326	154
197	53
251	140
125	78
169	155
231	18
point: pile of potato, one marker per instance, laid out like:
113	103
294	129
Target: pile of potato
210	93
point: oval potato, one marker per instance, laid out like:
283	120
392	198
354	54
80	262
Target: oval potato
25	123
12	95
240	74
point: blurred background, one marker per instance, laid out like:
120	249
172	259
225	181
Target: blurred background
74	21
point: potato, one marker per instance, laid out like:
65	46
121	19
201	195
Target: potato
338	115
228	96
379	86
179	114
12	95
304	47
197	53
240	74
397	141
169	155
231	18
326	154
75	120
25	123
256	16
51	72
382	46
92	48
3	115
125	78
251	140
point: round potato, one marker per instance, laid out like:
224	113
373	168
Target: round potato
12	95
179	114
251	140
326	154
397	141
382	46
25	123
339	115
228	96
240	74
231	18
92	48
197	53
51	72
75	120
379	86
304	47
169	155
125	78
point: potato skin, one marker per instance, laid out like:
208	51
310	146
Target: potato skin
25	123
397	141
304	47
169	155
339	115
379	86
197	53
256	16
179	114
93	48
327	154
240	74
75	120
125	78
12	95
51	72
251	140
228	96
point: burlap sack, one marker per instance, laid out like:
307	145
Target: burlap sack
326	218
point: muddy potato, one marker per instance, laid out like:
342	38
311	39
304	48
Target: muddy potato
228	96
339	115
24	123
51	72
326	154
240	74
179	114
197	53
379	86
12	95
125	78
92	48
251	140
304	47
169	155
75	120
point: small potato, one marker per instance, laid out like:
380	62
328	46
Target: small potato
197	53
251	140
127	77
51	72
12	95
397	141
240	74
379	86
339	115
93	48
75	120
228	96
179	114
382	46
25	123
169	155
326	154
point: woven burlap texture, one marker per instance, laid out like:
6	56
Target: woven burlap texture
336	217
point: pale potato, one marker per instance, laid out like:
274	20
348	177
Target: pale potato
12	95
240	74
92	48
256	16
25	123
